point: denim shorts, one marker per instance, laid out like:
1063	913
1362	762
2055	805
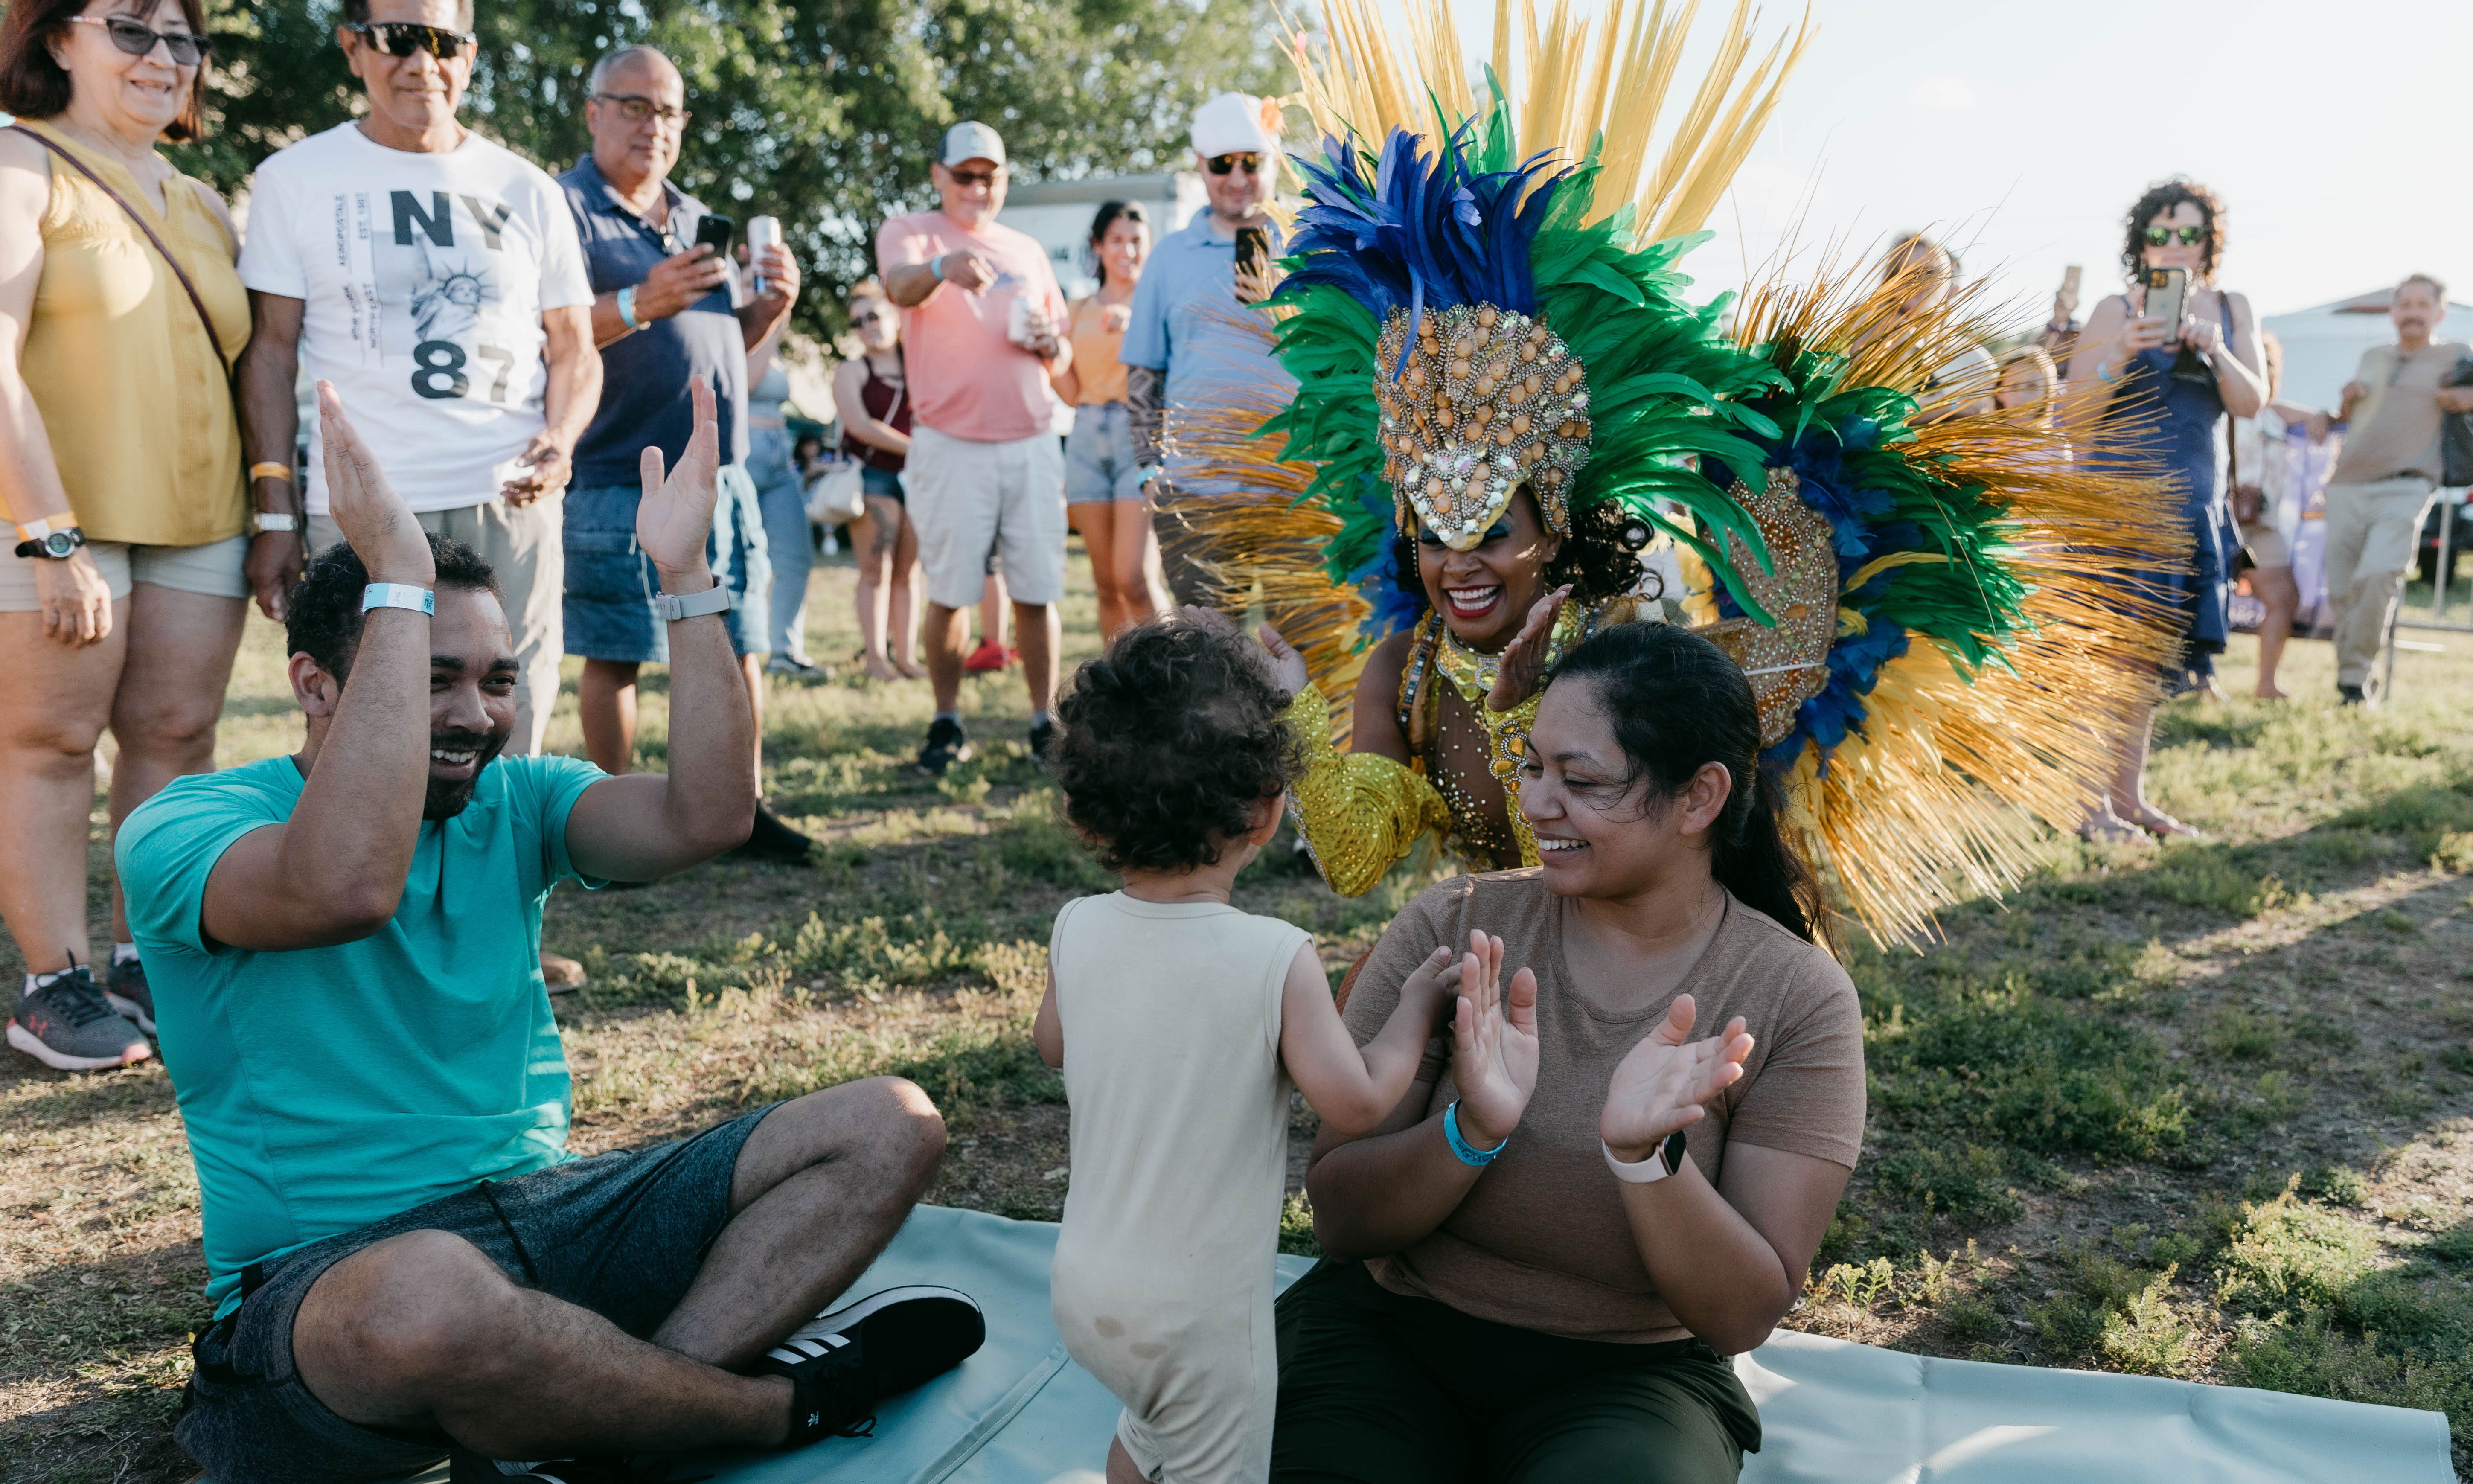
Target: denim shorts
619	1233
1099	462
610	583
880	482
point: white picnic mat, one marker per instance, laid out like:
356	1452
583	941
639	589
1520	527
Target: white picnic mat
1832	1412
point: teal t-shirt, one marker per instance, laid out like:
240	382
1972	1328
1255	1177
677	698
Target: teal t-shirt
325	1088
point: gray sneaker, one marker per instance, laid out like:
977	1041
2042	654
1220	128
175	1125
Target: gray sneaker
125	990
67	1024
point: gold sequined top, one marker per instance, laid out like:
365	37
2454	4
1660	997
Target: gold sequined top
1360	813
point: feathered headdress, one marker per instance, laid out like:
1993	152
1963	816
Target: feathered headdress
1920	599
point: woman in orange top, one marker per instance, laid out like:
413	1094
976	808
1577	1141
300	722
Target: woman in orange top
1103	482
120	468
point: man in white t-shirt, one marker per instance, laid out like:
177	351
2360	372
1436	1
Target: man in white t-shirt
435	278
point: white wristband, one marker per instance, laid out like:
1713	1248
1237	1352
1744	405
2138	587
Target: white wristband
274	520
402	595
714	599
1647	1171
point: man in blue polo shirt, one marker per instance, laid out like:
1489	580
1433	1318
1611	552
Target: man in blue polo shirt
1183	347
406	1260
665	308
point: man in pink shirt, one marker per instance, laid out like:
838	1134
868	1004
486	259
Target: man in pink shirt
980	318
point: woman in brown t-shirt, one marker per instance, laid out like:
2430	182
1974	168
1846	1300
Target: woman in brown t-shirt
1534	1298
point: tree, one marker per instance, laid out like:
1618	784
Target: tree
822	112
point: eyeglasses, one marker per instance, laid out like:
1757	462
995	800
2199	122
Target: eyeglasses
973	176
637	109
2191	236
398	39
862	321
1221	164
187	49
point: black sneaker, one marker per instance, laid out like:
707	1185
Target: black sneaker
842	1364
2352	695
945	745
774	841
125	990
1042	734
67	1024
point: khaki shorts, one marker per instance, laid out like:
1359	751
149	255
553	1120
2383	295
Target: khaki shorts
971	500
213	569
2267	544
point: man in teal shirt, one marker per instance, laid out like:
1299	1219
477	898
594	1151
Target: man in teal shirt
407	1262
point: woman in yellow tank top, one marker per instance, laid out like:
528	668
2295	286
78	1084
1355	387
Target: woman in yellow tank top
116	428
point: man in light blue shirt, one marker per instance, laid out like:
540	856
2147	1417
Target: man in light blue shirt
406	1259
1185	348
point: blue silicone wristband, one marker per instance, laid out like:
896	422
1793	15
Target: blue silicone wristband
402	595
627	308
1466	1152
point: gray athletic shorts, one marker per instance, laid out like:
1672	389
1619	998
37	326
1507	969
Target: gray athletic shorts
619	1233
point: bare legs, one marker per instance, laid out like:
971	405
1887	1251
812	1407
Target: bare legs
423	1333
51	712
1124	562
991	610
169	696
605	703
2127	807
1040	635
2282	595
887	547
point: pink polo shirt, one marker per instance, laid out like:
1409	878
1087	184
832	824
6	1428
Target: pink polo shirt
967	380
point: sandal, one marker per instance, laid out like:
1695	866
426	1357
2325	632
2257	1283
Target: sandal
2163	826
2110	828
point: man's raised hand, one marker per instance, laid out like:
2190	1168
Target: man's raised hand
675	516
372	517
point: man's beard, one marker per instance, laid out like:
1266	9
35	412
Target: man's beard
446	799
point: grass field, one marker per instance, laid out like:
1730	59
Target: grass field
2204	1111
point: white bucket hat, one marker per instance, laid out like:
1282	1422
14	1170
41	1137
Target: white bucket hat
1236	124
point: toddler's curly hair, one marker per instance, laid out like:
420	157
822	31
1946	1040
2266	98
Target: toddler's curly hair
1166	746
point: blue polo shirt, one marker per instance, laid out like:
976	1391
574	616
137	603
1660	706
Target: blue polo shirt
1185	324
644	375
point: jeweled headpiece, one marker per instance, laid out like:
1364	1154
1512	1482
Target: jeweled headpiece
1486	399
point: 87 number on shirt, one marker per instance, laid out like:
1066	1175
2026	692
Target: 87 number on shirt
439	370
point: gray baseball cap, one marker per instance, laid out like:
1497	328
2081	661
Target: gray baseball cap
971	142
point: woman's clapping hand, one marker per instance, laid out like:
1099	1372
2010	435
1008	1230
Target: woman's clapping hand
1494	1043
1663	1084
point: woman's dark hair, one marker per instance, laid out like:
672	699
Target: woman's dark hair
1677	704
1168	745
324	618
1601	559
33	85
2163	197
1110	213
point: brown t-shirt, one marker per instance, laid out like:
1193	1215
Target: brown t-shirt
1541	1240
2396	427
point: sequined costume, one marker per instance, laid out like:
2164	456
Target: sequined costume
1924	597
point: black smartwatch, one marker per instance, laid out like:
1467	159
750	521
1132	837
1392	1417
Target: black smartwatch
53	545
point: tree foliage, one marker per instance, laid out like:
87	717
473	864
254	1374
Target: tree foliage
822	112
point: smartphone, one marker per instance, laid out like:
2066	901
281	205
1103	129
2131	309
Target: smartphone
2071	277
1253	264
715	233
2165	289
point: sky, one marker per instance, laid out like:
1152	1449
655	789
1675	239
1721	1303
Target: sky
2337	135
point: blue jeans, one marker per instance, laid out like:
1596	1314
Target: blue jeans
610	582
788	540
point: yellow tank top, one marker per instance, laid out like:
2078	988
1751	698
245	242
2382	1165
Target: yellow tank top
1094	355
136	405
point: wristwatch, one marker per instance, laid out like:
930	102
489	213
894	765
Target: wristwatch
1662	1160
49	543
672	607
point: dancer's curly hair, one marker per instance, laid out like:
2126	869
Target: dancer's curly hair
1601	559
1167	745
2160	198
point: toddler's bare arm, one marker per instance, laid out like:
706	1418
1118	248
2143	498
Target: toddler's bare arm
1354	1089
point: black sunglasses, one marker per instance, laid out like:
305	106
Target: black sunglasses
2191	236
1221	164
869	318
399	39
187	49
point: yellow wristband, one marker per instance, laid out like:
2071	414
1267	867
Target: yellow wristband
268	468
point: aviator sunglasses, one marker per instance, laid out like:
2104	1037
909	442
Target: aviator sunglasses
2160	236
1250	164
399	38
187	49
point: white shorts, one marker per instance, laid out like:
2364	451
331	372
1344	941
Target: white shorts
214	570
970	500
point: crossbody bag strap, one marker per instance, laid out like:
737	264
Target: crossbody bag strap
169	261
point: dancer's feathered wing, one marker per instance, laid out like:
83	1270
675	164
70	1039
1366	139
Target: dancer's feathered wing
1930	606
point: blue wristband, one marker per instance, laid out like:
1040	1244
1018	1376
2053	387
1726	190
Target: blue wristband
627	308
402	595
936	268
1466	1152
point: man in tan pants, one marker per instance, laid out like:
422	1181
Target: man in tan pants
2383	481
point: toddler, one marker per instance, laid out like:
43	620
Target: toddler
1179	1021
